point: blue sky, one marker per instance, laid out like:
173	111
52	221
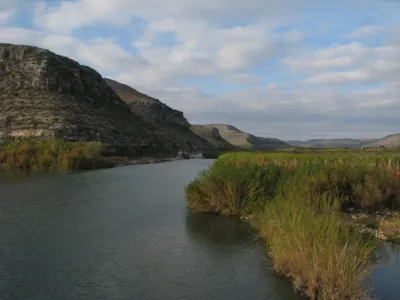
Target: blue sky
289	69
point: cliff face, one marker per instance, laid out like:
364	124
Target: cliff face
43	94
169	123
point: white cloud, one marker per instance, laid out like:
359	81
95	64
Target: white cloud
65	16
224	41
365	31
102	54
6	15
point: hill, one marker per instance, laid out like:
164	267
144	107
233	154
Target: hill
331	143
211	134
168	122
241	139
47	95
390	141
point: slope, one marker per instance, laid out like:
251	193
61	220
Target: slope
390	141
238	138
169	123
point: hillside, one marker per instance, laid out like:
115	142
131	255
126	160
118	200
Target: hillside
238	138
390	141
211	134
150	109
169	122
331	143
47	95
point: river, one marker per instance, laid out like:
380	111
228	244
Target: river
125	233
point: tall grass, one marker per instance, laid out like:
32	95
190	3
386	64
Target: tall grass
294	201
53	155
325	258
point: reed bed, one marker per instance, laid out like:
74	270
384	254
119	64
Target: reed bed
294	201
53	155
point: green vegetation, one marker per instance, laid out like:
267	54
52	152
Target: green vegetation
294	200
58	155
214	153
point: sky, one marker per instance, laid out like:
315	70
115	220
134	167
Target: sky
291	69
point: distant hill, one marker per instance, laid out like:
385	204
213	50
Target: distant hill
211	134
331	143
390	141
241	139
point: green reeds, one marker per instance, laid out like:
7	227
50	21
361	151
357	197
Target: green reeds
323	257
294	201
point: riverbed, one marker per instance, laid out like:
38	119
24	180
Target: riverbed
125	233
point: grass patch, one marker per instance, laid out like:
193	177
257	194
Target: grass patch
294	200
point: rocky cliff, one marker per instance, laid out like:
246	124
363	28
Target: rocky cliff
43	94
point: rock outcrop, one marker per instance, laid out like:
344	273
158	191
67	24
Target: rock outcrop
43	94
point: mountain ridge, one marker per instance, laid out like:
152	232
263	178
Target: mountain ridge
241	139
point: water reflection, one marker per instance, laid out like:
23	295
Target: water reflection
221	231
232	243
385	275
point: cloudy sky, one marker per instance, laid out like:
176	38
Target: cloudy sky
292	69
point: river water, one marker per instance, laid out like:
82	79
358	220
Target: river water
125	233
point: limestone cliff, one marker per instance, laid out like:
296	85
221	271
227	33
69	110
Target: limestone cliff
43	94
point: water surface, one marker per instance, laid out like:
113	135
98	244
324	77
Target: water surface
125	233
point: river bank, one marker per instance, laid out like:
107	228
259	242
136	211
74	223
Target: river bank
295	201
59	155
